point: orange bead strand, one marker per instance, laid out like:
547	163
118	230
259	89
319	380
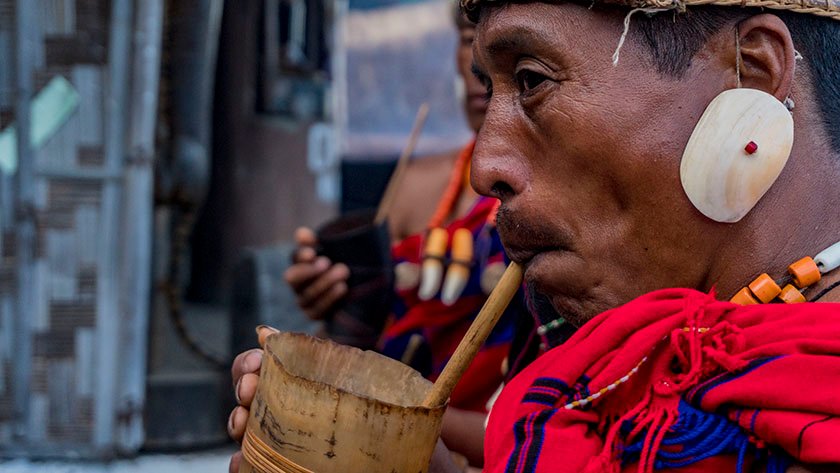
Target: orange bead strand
449	200
804	273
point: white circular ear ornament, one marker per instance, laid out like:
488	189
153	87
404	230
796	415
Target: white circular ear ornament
736	152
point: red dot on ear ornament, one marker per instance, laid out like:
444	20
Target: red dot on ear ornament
751	147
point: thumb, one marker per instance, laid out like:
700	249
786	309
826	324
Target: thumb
263	331
305	237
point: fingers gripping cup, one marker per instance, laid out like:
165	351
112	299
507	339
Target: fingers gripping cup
323	407
365	247
329	408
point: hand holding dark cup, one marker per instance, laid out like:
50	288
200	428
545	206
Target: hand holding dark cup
319	284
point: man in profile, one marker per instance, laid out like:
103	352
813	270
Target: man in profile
622	173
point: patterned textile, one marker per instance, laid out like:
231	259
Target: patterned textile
677	381
442	327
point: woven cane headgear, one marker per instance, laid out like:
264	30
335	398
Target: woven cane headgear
824	8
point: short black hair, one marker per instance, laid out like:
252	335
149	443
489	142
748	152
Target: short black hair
674	39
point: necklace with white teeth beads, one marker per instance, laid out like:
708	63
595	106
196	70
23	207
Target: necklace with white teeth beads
451	281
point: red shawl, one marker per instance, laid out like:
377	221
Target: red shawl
708	386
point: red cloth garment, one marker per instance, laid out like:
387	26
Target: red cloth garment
708	386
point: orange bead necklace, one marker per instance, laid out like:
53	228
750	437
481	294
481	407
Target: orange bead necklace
763	290
457	183
437	239
800	275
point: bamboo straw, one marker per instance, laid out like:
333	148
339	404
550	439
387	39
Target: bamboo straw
399	172
476	336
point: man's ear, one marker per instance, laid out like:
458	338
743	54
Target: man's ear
767	55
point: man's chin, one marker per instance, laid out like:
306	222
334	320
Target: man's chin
545	312
571	311
551	304
576	309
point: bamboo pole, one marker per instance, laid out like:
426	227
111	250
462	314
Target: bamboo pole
399	172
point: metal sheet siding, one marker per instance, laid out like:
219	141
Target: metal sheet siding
75	228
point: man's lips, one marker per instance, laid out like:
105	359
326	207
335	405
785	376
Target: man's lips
525	239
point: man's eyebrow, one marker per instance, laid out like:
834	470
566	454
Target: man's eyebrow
517	38
506	44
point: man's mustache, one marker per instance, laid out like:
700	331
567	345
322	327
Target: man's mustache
514	227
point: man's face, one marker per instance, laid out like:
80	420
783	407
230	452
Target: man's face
585	157
475	105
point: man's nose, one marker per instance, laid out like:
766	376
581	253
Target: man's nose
498	166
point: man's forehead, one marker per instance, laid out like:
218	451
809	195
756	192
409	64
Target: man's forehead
511	37
554	27
506	30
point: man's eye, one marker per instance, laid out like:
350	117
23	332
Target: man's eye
529	80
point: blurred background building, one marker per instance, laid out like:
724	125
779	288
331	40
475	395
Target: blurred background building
155	158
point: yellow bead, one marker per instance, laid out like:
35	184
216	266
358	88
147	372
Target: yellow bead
744	297
436	242
764	288
805	272
791	295
462	246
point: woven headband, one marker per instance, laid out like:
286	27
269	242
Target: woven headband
825	8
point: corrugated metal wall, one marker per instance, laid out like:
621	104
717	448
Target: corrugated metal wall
76	227
7	273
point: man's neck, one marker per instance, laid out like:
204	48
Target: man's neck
739	264
796	218
827	290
